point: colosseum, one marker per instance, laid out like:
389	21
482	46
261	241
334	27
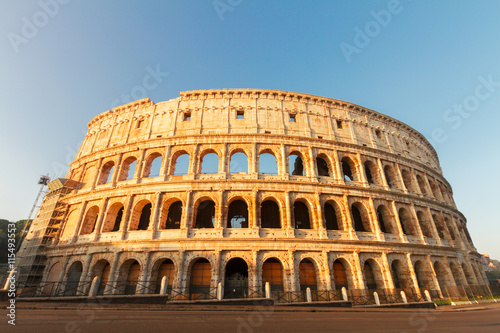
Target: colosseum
247	191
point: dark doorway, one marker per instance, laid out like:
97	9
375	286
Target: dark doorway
236	279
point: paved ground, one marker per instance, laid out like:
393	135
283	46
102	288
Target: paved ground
89	318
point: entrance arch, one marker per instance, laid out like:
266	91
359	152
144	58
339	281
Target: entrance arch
199	283
272	272
236	279
74	274
307	275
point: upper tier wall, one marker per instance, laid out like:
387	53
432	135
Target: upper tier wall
215	112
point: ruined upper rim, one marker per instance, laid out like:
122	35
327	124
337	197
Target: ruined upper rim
228	93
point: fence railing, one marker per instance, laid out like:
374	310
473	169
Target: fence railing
358	297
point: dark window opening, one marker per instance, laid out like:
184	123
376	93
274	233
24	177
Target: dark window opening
368	172
293	118
237	216
174	216
331	217
139	123
298	165
357	219
270	215
118	220
240	114
388	178
187	116
406	223
346	170
205	215
395	277
132	278
144	219
339	124
322	166
236	279
378	134
339	275
381	221
301	214
371	283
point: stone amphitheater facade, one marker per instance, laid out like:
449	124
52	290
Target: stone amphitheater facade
324	194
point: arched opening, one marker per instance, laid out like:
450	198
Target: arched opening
133	274
468	275
88	225
181	164
360	218
205	215
400	275
456	274
407	180
307	275
301	215
423	274
145	217
73	279
268	164
296	164
435	191
372	274
439	226
238	163
174	216
210	163
272	272
406	222
390	177
442	276
424	224
421	185
237	216
236	279
153	165
199	283
102	270
106	173
383	221
348	168
114	218
322	167
52	279
127	171
332	216
448	223
372	175
270	215
339	275
166	268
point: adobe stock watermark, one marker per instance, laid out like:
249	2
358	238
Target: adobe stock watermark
373	28
150	81
31	27
456	115
223	6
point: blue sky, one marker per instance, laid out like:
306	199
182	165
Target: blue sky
426	64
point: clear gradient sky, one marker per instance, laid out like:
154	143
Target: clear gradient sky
434	65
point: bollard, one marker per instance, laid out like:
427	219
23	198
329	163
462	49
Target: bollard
377	300
427	296
219	291
268	290
403	296
308	295
344	294
94	287
164	285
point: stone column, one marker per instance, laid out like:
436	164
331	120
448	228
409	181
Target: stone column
85	280
155	221
373	217
126	216
435	233
382	174
349	227
386	271
413	275
113	276
358	271
145	275
401	234
327	275
420	234
292	278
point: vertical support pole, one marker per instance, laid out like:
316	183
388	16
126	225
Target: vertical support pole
377	299
268	290
94	287
403	297
164	285
308	295
344	294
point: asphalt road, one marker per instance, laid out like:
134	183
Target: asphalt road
94	321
